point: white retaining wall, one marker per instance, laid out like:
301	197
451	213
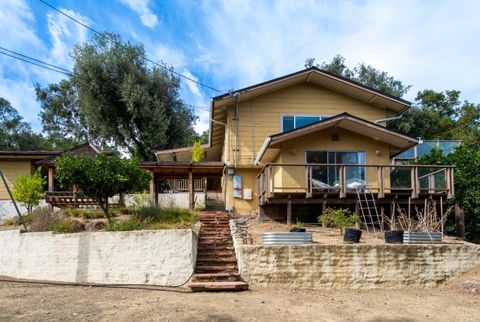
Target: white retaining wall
160	257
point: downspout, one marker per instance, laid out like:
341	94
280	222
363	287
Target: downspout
235	161
262	150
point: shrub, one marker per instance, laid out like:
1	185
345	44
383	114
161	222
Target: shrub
130	224
149	212
126	211
28	190
8	222
63	226
338	218
86	213
42	219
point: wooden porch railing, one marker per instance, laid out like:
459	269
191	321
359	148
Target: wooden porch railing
63	199
380	179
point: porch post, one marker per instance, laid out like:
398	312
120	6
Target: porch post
153	189
50	179
191	191
289	211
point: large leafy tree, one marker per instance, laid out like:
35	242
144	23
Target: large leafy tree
364	74
467	184
441	115
115	98
101	177
15	134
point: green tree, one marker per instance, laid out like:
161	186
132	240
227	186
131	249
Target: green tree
467	184
197	152
15	134
28	189
364	74
101	177
60	115
441	115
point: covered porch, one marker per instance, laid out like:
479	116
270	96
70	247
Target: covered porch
194	175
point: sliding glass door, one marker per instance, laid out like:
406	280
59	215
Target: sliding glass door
330	174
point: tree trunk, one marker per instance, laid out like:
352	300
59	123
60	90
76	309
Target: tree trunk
460	221
104	206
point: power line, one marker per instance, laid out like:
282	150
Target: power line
121	45
61	70
34	59
33	63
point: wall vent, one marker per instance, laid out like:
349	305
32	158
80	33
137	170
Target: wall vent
335	137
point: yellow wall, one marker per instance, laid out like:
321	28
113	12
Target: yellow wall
261	116
293	151
11	170
249	180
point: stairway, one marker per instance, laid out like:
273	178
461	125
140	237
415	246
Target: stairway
214	204
216	268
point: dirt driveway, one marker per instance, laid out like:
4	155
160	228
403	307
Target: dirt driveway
40	302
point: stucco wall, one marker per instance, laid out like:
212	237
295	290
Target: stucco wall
161	257
354	266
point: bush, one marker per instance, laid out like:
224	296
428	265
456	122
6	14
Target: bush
8	222
130	224
63	226
338	218
86	213
126	211
42	219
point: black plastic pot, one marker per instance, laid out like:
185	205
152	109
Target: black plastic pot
351	235
297	230
394	237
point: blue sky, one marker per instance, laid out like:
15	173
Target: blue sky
236	43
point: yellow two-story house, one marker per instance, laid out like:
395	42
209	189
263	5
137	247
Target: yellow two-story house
308	140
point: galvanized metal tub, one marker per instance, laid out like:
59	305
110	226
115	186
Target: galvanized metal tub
284	238
420	237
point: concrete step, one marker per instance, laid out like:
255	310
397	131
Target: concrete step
218	286
216	261
216	269
217	277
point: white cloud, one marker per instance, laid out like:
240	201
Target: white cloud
149	19
21	95
192	86
64	34
427	44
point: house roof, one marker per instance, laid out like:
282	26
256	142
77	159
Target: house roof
167	154
28	154
322	78
397	141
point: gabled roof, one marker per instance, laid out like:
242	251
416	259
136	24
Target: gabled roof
397	141
28	154
322	78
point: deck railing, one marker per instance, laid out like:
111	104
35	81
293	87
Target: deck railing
62	199
312	178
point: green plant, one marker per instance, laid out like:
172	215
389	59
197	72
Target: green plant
130	224
101	177
339	218
28	189
126	210
197	152
8	222
298	224
63	226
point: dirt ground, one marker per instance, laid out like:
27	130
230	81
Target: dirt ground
41	302
322	235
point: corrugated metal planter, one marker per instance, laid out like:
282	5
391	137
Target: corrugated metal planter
282	238
421	237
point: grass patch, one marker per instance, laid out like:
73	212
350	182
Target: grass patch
130	224
166	218
63	226
8	222
86	213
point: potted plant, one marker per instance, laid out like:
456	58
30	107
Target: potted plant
298	227
395	234
343	220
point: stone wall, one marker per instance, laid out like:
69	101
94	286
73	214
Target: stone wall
160	257
355	266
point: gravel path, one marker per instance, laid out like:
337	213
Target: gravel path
40	302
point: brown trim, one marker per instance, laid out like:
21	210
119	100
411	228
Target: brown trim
185	149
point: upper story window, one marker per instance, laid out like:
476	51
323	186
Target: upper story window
291	122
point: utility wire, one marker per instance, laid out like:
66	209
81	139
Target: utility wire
33	63
120	44
61	70
34	59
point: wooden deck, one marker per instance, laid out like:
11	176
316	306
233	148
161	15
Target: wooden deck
300	183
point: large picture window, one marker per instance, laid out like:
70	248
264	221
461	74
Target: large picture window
330	174
291	122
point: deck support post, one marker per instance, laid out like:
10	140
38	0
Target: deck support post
50	184
289	211
414	182
381	182
191	191
153	189
343	181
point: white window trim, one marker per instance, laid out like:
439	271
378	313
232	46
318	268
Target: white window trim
321	116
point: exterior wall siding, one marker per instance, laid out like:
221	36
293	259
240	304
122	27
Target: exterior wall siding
12	169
